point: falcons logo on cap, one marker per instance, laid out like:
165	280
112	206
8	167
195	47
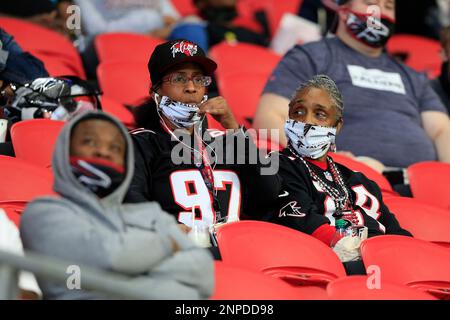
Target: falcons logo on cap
185	47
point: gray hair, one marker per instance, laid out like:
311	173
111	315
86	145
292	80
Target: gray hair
324	82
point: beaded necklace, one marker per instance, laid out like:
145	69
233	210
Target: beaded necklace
340	195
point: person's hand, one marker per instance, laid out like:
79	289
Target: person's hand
184	228
218	108
164	32
347	249
371	162
169	21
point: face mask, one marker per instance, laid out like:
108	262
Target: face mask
308	140
182	115
98	176
219	14
369	30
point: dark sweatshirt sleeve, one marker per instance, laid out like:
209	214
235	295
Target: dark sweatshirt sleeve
140	187
15	64
296	208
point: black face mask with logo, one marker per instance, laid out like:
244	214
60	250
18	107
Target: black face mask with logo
219	15
371	31
99	176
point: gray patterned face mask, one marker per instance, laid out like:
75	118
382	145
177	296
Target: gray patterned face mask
182	115
309	140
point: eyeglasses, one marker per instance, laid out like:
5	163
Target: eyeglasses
182	79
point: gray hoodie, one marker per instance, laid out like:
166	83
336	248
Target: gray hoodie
132	239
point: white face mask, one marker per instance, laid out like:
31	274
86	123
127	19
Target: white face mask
308	140
182	115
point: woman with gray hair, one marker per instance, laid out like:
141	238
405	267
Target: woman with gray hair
317	192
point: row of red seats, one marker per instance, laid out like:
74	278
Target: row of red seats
33	141
311	267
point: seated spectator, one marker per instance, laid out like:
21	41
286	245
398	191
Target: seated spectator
10	241
16	68
218	20
442	84
50	14
393	115
88	224
318	191
206	187
155	18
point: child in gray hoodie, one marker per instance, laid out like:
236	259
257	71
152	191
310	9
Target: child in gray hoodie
87	223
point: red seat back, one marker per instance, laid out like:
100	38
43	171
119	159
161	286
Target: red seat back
370	173
429	182
33	140
125	82
125	47
278	251
422	54
13	210
358	288
410	261
233	283
243	57
118	110
22	181
422	220
57	52
184	7
242	91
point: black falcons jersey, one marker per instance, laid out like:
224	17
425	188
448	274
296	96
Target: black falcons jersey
181	189
303	204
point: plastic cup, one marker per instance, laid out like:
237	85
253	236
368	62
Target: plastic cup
200	235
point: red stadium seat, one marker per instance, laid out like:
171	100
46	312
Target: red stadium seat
125	47
356	288
242	91
184	7
56	51
33	140
278	251
125	82
22	181
59	67
243	57
370	173
422	54
13	210
422	220
118	110
274	10
413	262
233	283
429	182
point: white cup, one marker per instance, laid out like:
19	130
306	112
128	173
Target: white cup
199	234
3	129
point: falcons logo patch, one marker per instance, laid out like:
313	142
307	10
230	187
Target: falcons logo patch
291	210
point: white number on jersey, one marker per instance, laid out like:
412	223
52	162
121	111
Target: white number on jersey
190	192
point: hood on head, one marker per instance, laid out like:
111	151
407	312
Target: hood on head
65	182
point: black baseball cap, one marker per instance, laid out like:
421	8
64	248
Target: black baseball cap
172	53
